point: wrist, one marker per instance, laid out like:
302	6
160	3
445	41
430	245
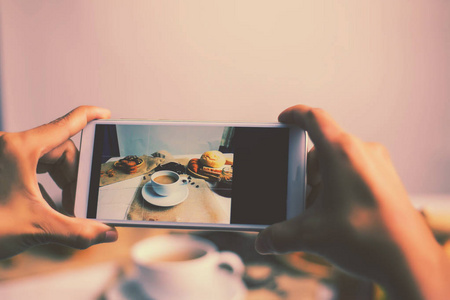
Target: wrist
421	268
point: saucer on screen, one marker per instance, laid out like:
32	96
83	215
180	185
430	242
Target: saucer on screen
175	198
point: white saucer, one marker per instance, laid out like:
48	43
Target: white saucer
226	287
175	198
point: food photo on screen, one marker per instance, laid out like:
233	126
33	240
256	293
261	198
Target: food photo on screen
188	174
165	173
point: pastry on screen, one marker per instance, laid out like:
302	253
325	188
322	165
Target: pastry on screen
129	164
193	165
213	159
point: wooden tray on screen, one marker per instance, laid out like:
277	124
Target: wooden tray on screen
116	164
208	178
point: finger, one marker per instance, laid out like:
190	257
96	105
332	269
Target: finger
68	198
321	127
53	134
79	233
378	149
313	198
313	177
312	168
46	196
61	163
297	234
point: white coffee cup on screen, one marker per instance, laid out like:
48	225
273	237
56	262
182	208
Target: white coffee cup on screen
166	182
187	267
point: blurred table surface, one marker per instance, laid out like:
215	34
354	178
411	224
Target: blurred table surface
287	283
28	269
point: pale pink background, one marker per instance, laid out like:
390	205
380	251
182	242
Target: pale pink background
381	68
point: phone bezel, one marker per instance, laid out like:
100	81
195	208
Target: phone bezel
296	189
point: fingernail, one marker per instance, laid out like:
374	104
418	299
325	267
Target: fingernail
111	236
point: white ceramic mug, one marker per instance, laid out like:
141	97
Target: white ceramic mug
166	189
185	267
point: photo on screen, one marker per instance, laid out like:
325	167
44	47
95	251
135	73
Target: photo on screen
189	174
195	166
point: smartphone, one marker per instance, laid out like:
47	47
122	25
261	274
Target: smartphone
193	175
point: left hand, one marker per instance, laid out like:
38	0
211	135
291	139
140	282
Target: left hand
26	218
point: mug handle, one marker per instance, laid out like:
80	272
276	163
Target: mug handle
231	261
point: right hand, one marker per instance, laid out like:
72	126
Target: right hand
361	218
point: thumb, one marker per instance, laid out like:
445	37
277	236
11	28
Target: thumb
296	234
80	233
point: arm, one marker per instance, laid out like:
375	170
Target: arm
26	218
360	218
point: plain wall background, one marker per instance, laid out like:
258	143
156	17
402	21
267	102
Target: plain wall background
381	68
140	140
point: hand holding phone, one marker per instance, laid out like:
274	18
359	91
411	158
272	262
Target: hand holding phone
231	176
28	216
361	218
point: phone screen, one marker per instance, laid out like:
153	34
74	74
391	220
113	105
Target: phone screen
224	175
